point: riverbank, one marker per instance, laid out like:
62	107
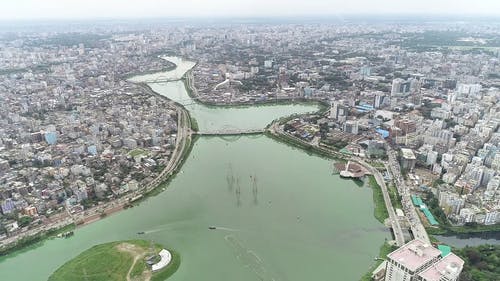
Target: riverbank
380	211
192	93
31	240
385	249
272	131
200	197
457	230
169	67
185	130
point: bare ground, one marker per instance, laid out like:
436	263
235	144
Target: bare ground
137	253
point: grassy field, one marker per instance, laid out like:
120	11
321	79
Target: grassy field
137	152
115	261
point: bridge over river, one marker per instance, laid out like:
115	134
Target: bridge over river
229	132
160	79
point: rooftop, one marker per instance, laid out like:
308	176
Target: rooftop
451	265
408	153
414	254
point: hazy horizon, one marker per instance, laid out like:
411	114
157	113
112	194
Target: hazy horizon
135	9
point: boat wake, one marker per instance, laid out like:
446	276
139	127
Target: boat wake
227	229
168	226
249	259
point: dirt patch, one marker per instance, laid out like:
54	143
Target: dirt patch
137	253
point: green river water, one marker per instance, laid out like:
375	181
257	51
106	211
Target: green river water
280	213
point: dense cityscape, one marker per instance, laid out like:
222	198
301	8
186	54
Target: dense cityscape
411	107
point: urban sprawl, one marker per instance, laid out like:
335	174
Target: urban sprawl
419	102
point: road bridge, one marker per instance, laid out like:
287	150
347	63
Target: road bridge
229	132
416	225
394	220
160	79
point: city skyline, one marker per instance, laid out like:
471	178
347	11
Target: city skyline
283	140
79	9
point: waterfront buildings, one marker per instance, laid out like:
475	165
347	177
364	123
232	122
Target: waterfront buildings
74	133
417	260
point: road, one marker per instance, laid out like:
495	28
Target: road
183	134
416	225
396	226
229	132
93	214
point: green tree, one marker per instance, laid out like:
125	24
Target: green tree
24	221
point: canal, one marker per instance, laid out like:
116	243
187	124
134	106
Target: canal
472	239
280	214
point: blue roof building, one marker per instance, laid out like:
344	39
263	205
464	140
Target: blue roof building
383	133
51	138
92	150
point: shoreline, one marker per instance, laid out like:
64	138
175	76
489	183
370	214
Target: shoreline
169	67
181	152
131	251
463	230
191	90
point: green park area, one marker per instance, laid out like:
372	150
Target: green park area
482	263
137	152
114	261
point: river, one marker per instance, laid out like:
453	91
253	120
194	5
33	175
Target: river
283	217
472	239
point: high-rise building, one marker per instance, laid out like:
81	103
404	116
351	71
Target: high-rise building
451	202
338	111
400	86
431	158
409	260
468	89
447	269
406	125
408	159
396	86
379	100
492	187
365	71
351	127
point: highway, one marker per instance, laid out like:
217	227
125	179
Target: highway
416	225
396	226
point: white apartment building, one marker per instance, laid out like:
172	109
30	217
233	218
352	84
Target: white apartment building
409	260
419	261
447	269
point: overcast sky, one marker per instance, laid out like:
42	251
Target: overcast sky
78	9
